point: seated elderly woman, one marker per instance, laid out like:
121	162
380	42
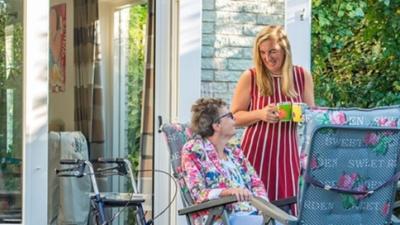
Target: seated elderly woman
213	170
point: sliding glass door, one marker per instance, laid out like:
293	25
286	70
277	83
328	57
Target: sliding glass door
11	108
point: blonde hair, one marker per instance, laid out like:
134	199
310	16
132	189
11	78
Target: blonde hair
263	75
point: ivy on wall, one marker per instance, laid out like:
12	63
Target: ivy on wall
356	52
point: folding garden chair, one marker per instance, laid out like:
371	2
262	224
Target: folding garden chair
350	167
176	135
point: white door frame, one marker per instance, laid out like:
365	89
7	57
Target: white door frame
298	28
35	113
162	107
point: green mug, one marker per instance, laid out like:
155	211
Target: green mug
285	111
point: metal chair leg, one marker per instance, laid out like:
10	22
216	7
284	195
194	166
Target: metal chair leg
140	215
225	217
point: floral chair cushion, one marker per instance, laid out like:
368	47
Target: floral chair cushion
353	117
356	117
347	152
176	135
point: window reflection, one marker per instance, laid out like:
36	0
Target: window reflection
11	46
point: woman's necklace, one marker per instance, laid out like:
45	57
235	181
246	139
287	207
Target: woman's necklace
276	75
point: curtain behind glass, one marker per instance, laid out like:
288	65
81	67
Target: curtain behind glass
89	109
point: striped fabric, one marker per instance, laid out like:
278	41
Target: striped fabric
89	107
272	148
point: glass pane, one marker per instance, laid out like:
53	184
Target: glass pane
11	48
128	46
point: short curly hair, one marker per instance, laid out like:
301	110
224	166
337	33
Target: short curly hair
204	112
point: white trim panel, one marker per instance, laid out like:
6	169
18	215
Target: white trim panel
298	27
162	106
35	152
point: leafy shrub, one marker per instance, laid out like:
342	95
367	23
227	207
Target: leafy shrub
137	28
356	52
137	25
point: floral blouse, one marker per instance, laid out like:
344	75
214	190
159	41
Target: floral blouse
206	176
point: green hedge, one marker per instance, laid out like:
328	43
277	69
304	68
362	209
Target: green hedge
137	31
137	25
356	52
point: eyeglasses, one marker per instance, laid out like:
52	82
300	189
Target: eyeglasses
228	115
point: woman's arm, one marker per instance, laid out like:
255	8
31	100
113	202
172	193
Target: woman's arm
241	101
194	178
308	95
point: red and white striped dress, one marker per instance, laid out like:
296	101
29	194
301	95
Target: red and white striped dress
272	147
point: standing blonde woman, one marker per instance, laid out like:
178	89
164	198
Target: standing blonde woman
271	144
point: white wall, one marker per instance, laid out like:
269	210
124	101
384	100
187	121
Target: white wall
61	104
298	27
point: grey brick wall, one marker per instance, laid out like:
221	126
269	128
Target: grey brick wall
228	31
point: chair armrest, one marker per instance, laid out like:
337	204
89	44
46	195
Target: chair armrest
207	205
285	201
271	210
395	220
396	204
